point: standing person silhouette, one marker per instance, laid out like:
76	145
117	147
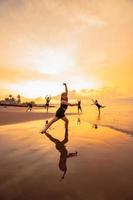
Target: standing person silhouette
60	113
29	106
48	99
60	146
95	102
79	106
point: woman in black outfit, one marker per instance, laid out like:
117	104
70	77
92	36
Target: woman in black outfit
79	106
48	99
60	113
97	105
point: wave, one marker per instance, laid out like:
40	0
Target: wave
123	130
114	127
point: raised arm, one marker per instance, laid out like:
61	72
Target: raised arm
50	98
46	96
66	89
92	100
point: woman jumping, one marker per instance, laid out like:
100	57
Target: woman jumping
95	102
60	113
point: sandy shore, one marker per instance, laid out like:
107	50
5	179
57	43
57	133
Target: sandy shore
14	117
30	167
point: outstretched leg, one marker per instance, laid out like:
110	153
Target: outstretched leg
66	122
72	154
49	124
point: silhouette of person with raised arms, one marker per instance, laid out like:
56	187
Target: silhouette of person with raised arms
64	155
95	102
48	99
79	106
60	113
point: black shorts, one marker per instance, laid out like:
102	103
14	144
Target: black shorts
60	113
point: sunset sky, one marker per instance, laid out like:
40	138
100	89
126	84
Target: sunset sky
86	43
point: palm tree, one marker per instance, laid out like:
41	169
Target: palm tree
10	96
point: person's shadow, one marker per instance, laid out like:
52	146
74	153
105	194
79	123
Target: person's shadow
60	146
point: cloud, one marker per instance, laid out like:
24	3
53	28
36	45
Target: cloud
16	75
94	38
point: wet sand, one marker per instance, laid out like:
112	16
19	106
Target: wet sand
12	115
29	167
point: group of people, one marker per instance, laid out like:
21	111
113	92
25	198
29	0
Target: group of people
60	113
30	106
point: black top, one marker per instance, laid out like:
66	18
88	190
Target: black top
79	103
47	100
64	106
98	105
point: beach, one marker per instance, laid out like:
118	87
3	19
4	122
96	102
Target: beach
13	115
30	161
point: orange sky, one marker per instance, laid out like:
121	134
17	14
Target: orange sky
43	43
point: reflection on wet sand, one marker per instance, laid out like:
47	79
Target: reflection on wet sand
29	162
78	121
60	146
95	126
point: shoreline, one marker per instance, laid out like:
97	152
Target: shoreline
9	118
19	115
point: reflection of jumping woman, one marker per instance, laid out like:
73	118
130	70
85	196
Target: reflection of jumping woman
64	155
60	113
